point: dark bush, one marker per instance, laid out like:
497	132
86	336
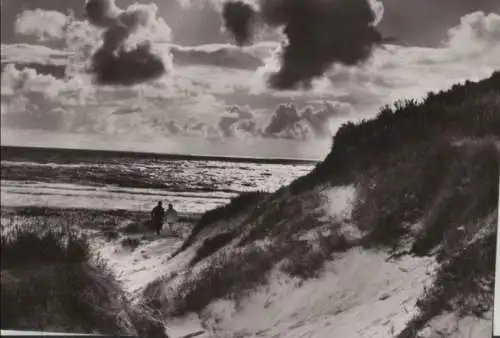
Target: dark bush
26	248
130	242
224	277
463	285
469	193
50	282
243	202
212	245
135	227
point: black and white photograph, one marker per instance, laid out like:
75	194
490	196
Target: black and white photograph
250	168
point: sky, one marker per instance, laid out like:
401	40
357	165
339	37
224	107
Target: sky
263	78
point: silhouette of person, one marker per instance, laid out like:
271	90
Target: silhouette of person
157	215
171	216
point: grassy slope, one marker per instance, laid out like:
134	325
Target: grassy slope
433	163
50	281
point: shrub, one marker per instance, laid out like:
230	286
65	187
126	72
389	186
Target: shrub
228	275
463	285
51	282
111	235
236	206
130	242
305	260
134	227
212	245
24	247
470	193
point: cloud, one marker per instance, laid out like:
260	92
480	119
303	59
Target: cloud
318	33
173	128
288	122
237	120
219	55
37	101
239	19
24	53
196	99
44	60
126	55
396	72
476	33
45	25
426	22
116	46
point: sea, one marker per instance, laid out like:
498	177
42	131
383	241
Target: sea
112	180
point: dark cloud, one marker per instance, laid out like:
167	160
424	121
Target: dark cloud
238	18
101	13
413	22
198	23
319	33
116	63
127	67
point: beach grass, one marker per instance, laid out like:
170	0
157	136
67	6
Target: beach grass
52	281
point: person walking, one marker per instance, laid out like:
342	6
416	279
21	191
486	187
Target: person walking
157	216
171	216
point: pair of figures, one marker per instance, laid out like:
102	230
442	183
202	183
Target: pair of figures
158	215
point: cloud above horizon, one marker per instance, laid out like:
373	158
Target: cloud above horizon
117	43
317	34
220	91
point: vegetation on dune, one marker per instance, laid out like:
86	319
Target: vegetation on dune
236	206
212	245
440	186
50	281
433	164
228	275
469	193
468	110
232	273
464	285
93	219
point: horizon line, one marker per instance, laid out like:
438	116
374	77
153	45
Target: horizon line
230	158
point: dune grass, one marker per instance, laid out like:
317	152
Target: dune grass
469	193
50	281
212	245
464	285
236	206
466	110
232	273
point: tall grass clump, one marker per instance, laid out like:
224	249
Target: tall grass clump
236	206
50	281
464	285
